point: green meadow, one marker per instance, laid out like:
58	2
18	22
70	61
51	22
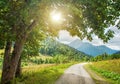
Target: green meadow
109	69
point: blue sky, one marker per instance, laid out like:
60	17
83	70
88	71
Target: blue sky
114	43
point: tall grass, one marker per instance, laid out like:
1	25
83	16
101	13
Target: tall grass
110	65
109	69
42	74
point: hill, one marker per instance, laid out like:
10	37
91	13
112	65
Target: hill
91	49
53	48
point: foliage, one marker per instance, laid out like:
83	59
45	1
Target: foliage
40	60
59	59
1	52
32	45
105	57
53	60
1	60
83	15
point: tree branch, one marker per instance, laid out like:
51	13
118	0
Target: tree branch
31	26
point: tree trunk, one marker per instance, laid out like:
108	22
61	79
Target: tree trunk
18	70
11	62
6	62
10	73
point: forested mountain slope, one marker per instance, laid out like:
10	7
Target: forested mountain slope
53	48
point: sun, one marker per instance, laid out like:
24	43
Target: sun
56	16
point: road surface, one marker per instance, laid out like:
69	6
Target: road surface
75	74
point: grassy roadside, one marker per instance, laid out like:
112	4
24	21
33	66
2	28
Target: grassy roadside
108	70
96	76
42	74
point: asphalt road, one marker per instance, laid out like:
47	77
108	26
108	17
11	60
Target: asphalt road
76	74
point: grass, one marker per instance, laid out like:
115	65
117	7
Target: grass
32	73
95	76
42	74
109	65
108	69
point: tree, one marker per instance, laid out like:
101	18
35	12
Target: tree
19	17
18	29
31	47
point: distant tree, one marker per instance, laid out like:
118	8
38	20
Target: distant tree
115	56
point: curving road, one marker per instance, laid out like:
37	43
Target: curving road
75	74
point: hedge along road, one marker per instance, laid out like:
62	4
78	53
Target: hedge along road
76	74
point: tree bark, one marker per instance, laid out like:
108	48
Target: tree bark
6	62
15	57
18	70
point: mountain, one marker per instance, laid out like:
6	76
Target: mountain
91	49
53	48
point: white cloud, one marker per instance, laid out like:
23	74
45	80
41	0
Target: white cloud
114	43
65	37
96	41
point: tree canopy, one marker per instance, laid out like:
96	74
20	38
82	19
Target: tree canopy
86	17
81	17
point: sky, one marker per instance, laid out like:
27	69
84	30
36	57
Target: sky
114	43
